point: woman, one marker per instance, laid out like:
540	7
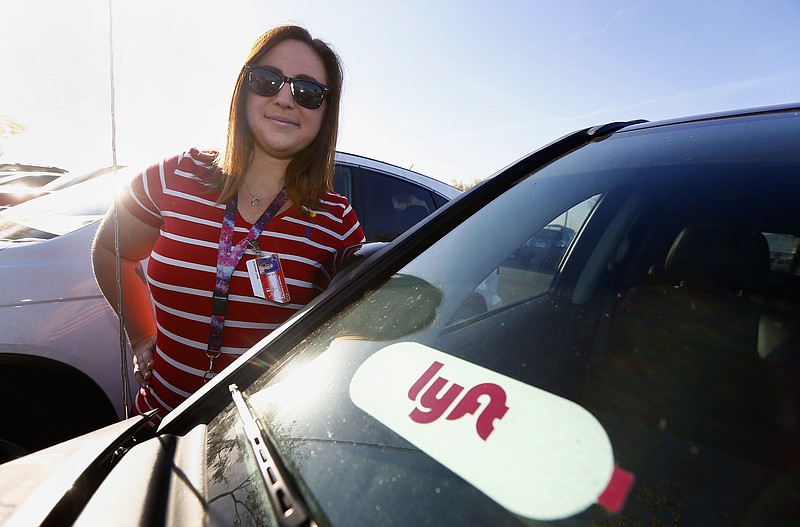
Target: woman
237	242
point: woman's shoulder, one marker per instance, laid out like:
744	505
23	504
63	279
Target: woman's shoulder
190	171
193	162
333	202
333	211
196	162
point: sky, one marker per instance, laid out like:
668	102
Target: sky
455	89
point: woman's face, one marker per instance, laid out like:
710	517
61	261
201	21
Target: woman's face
281	128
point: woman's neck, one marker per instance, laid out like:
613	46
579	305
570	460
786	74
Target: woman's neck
262	181
265	176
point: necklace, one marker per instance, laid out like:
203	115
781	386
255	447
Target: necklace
254	201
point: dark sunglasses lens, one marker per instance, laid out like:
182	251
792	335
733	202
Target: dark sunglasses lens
308	94
264	82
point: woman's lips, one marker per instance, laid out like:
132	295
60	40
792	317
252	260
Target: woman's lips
282	121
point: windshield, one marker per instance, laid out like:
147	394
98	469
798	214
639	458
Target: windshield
60	212
490	383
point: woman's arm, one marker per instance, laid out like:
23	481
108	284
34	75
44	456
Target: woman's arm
136	240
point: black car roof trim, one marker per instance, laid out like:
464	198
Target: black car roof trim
610	128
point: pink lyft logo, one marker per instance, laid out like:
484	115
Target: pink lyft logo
536	454
434	406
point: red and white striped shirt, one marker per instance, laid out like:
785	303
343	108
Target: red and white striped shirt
173	196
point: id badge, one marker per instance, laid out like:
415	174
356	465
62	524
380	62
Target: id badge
267	279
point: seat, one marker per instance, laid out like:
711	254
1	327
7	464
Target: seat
683	357
412	215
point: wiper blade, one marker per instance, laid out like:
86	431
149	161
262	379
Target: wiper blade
289	507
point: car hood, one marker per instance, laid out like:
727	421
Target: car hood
32	486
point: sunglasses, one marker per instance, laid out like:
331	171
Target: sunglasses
267	83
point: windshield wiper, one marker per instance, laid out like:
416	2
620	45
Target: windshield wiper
289	507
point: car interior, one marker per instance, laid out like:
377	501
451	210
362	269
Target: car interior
673	318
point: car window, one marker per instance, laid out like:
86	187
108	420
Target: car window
31	181
783	252
343	180
392	205
529	270
60	212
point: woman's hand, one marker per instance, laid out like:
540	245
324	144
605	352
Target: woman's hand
143	352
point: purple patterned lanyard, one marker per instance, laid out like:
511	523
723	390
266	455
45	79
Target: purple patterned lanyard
228	258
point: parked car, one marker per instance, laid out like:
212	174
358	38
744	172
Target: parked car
388	199
545	249
58	336
651	378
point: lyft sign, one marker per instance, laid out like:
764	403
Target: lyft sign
433	406
538	455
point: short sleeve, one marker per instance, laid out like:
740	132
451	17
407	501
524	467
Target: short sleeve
137	200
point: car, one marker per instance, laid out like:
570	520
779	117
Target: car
59	338
388	200
651	378
546	248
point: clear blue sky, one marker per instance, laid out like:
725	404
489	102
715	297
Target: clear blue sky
456	89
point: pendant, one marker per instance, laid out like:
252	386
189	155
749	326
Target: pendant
254	202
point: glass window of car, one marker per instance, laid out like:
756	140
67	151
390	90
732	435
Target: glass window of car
33	181
343	180
60	212
392	205
529	270
783	249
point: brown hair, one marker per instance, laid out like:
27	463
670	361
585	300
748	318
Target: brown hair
310	172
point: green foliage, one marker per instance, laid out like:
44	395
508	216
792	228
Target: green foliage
461	185
9	127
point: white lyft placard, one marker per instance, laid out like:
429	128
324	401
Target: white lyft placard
536	454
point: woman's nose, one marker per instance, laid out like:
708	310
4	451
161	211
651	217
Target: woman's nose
284	96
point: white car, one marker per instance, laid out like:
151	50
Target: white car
60	368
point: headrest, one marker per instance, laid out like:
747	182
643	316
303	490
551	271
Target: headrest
718	257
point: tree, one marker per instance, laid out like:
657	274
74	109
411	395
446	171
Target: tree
9	127
460	185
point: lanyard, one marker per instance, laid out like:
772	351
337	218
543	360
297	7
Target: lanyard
228	258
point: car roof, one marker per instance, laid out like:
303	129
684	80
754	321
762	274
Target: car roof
436	185
757	110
